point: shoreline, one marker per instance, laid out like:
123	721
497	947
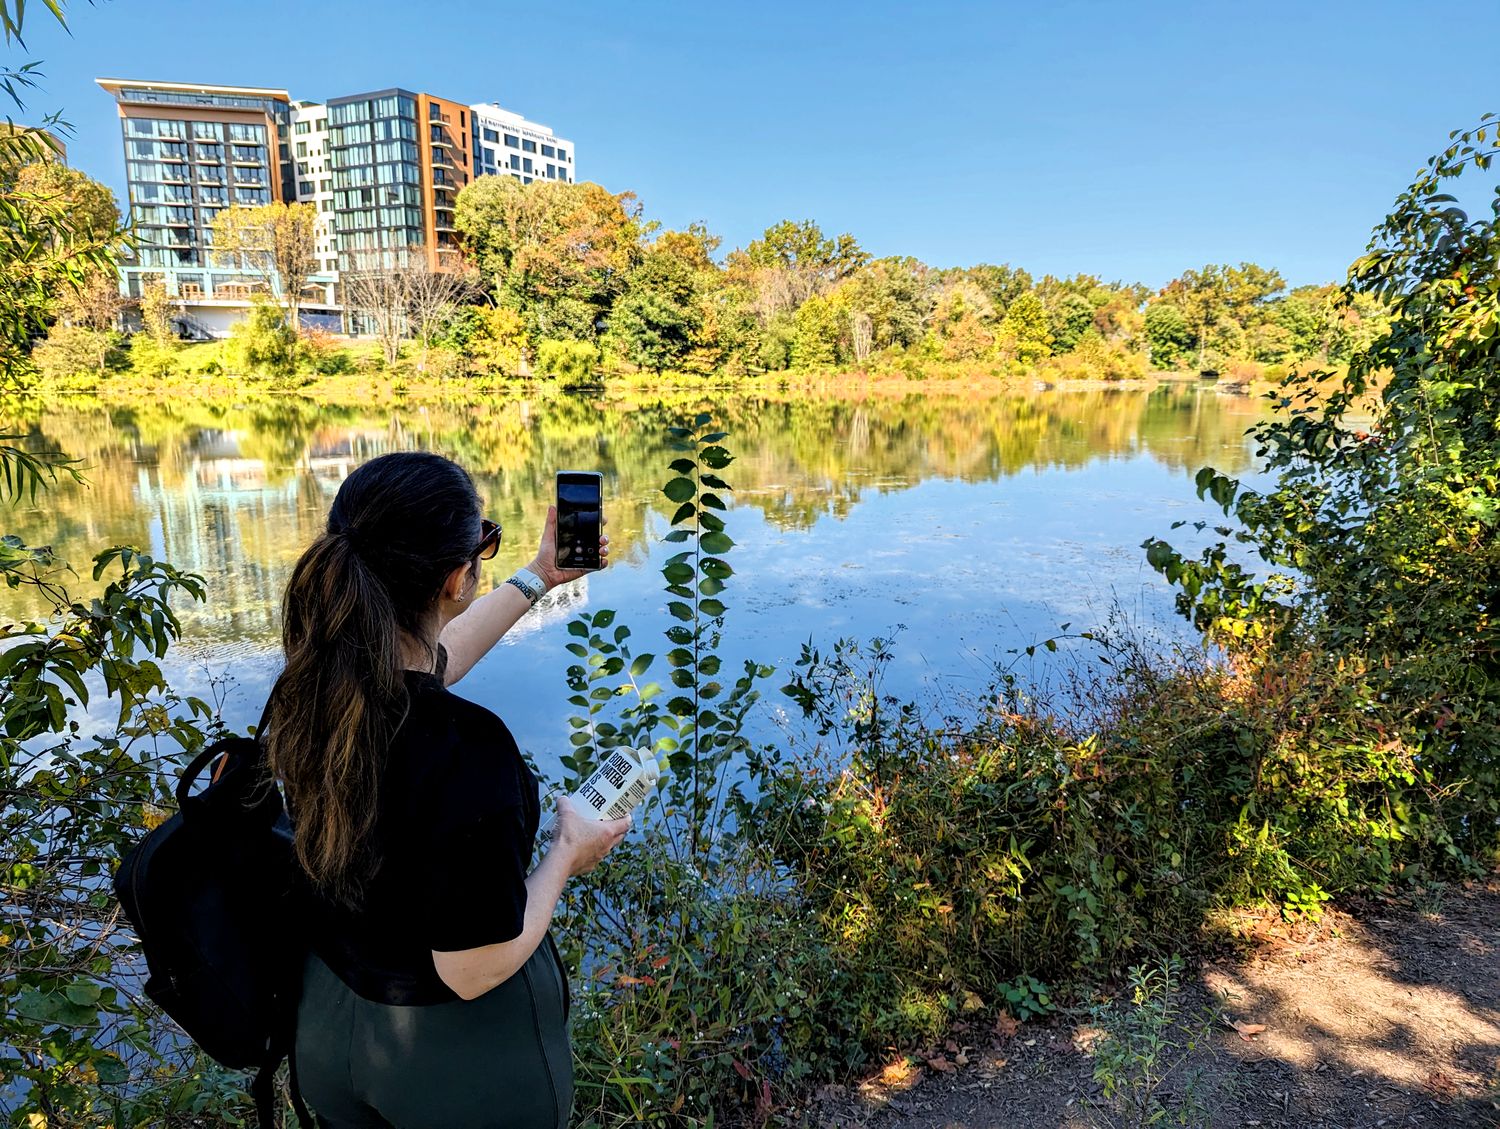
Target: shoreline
386	390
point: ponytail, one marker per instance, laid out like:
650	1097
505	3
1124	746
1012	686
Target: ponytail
355	611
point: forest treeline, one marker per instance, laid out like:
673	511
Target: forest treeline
570	280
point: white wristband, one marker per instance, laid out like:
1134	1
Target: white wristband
529	583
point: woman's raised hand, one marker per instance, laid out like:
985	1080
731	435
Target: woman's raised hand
585	841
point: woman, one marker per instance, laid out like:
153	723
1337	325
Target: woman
434	995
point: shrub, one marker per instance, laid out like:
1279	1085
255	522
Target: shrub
324	352
1243	371
263	344
1380	537
74	350
569	361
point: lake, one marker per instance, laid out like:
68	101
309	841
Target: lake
975	522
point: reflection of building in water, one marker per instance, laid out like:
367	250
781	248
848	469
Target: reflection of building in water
241	522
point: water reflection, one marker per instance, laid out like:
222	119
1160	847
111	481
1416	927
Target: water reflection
235	492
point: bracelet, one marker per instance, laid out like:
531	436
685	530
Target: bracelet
529	584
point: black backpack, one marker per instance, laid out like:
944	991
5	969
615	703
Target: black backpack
210	892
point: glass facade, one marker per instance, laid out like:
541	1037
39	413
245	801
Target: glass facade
377	175
180	174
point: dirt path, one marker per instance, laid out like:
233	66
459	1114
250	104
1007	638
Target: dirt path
1386	1015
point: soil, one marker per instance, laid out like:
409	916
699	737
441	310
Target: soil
1386	1013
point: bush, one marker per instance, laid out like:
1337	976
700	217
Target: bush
569	361
153	357
1380	537
1244	372
71	350
263	344
324	352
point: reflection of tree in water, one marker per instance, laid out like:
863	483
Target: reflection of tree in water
237	491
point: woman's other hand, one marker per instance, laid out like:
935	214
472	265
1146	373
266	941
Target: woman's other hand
584	841
545	564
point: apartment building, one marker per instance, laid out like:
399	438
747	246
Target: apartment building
382	169
506	144
399	160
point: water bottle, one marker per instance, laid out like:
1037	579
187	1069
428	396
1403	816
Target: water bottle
614	789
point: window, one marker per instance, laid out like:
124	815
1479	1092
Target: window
302	148
325	186
434	110
515	161
330	264
491	135
322	125
207	131
526	180
463	118
512	141
526	164
562	154
304	188
302	168
304	127
551	172
489	156
326	206
529	146
548	151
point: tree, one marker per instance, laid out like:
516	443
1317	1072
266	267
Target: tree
791	262
654	323
154	348
432	297
395	294
495	340
896	294
85	335
1168	335
1069	316
275	241
961	320
90	206
1024	331
556	253
374	286
1002	284
820	335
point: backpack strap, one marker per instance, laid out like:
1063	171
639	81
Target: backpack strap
190	774
263	1091
195	766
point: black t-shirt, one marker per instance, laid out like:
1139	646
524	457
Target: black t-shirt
456	822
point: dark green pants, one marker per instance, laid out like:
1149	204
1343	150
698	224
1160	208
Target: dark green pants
501	1061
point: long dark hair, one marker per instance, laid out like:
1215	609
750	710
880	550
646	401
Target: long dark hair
359	599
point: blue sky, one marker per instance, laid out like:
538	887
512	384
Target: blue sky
1130	140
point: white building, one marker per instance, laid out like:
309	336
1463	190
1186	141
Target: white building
506	144
312	183
313	167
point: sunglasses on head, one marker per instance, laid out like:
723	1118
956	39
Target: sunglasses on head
489	539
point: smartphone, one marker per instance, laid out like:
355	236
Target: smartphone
580	499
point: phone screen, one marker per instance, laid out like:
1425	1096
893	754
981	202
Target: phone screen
579	500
